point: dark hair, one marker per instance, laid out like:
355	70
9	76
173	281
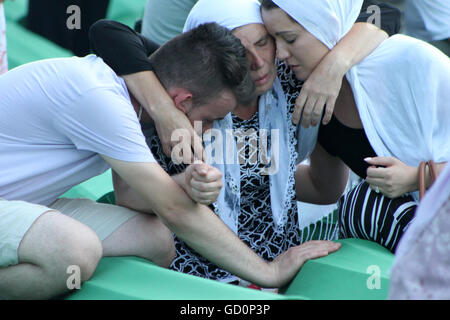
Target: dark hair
205	60
268	4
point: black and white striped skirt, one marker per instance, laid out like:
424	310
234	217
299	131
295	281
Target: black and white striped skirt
365	214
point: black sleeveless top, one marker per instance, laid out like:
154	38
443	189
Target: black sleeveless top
348	144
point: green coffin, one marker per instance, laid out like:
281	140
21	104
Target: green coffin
134	278
351	273
93	188
359	270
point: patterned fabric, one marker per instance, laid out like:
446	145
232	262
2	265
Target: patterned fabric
255	220
365	214
3	57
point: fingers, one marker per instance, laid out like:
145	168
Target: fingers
376	178
287	264
329	110
189	151
206	187
311	103
317	111
205	198
199	151
329	246
377	172
376	182
307	112
210	176
381	161
299	105
316	249
312	250
206	173
167	148
182	144
200	168
312	111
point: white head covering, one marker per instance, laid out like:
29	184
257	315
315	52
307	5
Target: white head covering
230	14
402	89
328	20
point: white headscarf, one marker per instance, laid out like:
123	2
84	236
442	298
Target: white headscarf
272	113
230	14
328	20
402	89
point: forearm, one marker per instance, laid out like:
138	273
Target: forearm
203	230
211	238
217	242
127	197
156	101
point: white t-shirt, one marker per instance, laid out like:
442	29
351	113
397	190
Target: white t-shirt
56	117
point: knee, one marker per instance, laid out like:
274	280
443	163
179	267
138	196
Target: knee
85	253
162	250
167	253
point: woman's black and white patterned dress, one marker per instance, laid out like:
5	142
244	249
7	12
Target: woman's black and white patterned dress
255	222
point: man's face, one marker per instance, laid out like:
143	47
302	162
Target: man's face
216	109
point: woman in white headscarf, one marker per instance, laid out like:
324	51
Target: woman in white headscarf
392	108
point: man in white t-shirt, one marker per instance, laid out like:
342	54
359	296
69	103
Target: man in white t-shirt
66	120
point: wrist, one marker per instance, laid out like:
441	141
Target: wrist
268	277
339	64
180	180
